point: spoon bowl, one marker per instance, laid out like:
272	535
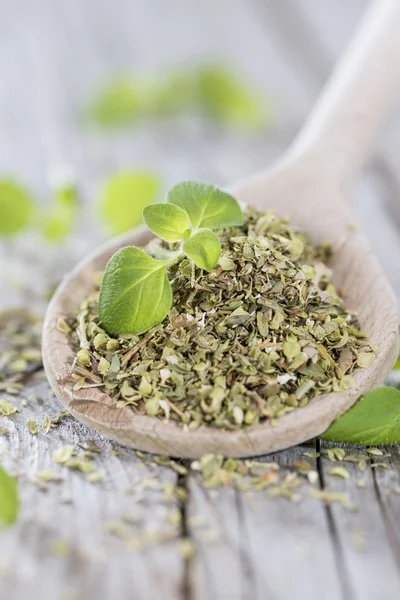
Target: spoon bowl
355	269
305	185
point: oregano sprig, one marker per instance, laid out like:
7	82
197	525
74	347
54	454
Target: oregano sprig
135	293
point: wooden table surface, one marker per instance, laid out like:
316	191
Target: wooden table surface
53	54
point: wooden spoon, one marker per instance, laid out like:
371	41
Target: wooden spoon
307	184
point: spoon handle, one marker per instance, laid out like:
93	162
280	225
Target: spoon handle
338	136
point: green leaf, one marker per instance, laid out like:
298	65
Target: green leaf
204	248
124	197
135	293
16	208
224	98
67	195
373	421
59	220
206	205
168	94
167	221
9	500
125	101
117	104
212	90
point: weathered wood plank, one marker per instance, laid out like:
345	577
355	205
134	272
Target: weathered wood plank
263	539
369	564
213	523
291	538
62	543
387	485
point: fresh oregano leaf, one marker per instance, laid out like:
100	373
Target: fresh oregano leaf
204	248
167	221
206	205
135	293
9	500
373	421
124	197
16	208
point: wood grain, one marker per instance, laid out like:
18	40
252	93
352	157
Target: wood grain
361	534
250	528
61	543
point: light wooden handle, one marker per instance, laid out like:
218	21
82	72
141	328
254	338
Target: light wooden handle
338	136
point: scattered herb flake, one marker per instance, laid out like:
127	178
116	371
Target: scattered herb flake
63	455
340	472
6	409
95	477
33	426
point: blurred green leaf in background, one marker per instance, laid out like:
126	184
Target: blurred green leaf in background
16	208
117	104
9	499
224	98
212	91
124	196
60	219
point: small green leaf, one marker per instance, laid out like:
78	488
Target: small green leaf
63	454
117	104
373	421
167	221
206	205
124	197
9	500
67	194
135	293
204	248
168	94
16	208
224	98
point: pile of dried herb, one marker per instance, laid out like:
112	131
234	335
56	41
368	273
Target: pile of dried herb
253	339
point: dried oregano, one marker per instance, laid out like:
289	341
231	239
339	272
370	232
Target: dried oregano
20	333
253	339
